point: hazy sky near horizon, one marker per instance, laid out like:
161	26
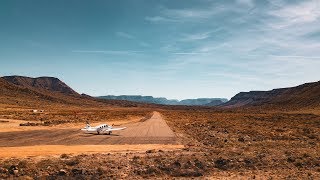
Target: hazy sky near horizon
165	48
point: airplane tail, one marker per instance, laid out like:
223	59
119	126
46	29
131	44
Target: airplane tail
88	125
86	128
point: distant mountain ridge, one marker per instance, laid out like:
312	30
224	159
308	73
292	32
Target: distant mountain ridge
305	95
165	101
31	92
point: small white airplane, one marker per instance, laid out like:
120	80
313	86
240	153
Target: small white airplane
101	129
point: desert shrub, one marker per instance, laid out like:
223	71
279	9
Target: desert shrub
72	162
249	162
23	164
64	156
43	164
298	164
290	159
189	173
100	170
222	163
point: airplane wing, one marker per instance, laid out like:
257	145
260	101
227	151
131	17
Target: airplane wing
117	129
114	129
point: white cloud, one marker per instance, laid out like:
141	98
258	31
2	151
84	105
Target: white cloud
297	57
249	3
269	50
156	19
277	3
129	36
184	15
189	53
125	35
297	14
188	13
111	52
195	36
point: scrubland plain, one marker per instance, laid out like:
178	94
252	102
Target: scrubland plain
213	143
272	140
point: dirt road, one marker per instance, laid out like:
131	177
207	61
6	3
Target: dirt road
152	131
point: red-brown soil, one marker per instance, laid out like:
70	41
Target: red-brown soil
268	141
151	131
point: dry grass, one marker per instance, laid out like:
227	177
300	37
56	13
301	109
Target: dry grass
254	140
218	143
140	165
54	116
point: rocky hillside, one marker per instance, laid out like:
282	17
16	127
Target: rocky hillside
165	101
41	83
12	94
46	91
305	95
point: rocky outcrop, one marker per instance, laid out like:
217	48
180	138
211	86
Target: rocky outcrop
43	91
305	95
51	84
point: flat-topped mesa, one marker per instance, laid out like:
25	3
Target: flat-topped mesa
165	101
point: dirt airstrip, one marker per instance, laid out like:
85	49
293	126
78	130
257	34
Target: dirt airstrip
152	133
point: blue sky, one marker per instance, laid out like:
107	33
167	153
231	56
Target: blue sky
165	48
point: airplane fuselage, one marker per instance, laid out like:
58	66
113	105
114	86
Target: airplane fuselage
101	129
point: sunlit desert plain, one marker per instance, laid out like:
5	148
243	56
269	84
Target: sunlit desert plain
267	141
